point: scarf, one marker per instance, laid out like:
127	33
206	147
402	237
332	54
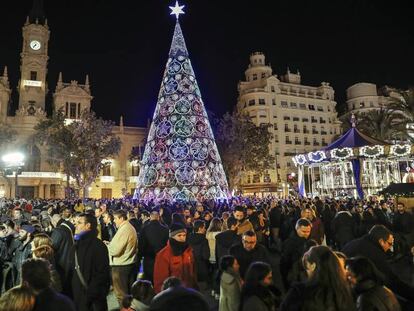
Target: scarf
177	248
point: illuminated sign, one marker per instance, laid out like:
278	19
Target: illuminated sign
39	175
32	83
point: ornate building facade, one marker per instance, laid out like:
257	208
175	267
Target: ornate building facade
37	179
304	119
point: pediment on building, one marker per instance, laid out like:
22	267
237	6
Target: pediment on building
73	90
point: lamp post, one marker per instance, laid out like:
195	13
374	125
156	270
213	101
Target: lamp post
14	160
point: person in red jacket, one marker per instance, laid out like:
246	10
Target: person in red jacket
175	259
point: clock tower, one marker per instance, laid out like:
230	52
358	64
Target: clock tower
32	86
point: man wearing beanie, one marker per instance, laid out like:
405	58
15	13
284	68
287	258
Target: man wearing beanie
175	259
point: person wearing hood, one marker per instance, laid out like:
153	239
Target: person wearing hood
343	227
175	259
230	284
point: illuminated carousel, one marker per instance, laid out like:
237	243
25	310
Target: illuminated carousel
355	165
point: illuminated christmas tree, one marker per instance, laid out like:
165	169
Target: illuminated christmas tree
181	160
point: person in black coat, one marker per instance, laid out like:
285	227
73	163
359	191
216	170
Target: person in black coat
201	250
343	227
293	248
153	238
368	286
275	218
93	259
108	228
37	276
226	239
375	246
249	251
62	243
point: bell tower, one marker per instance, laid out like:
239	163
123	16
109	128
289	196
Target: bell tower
32	86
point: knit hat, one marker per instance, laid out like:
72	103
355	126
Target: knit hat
28	228
176	228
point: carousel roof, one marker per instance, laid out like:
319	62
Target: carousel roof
354	138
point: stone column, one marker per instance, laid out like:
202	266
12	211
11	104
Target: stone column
41	190
47	191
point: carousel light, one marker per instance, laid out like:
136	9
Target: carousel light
317	156
300	159
342	153
371	151
400	150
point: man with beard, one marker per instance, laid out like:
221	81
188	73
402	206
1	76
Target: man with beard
21	249
243	224
175	259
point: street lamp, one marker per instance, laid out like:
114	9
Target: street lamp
14	160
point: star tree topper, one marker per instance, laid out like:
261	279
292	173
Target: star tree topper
177	9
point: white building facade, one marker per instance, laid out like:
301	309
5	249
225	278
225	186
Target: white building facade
303	119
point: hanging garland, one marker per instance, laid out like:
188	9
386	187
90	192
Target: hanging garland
400	150
300	159
371	151
342	153
317	156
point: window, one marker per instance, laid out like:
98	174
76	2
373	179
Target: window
274	102
305	120
33	75
106	170
266	178
302	106
79	110
255	76
252	102
371	104
262	101
263	75
286	118
275	126
272	88
249	180
320	108
106	193
329	108
311	107
72	111
361	105
284	104
293	105
67	110
256	178
295	119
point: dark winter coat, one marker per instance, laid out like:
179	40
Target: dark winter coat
94	264
293	249
62	243
403	223
201	252
49	300
19	255
259	299
153	238
245	258
373	297
343	228
275	217
108	232
367	247
301	295
224	241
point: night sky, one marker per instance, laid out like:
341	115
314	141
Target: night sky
123	46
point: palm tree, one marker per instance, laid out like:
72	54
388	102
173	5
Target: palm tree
404	106
382	124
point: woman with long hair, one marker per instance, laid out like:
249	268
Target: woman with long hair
230	284
257	293
19	298
326	287
368	287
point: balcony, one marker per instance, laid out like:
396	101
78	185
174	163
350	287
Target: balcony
296	131
288	142
323	133
286	118
324	144
322	121
307	143
305	131
297	142
314	120
315	143
107	179
296	119
305	120
315	132
288	130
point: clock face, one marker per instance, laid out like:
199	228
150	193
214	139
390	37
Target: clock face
35	45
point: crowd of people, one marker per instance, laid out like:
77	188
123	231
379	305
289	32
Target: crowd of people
244	254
